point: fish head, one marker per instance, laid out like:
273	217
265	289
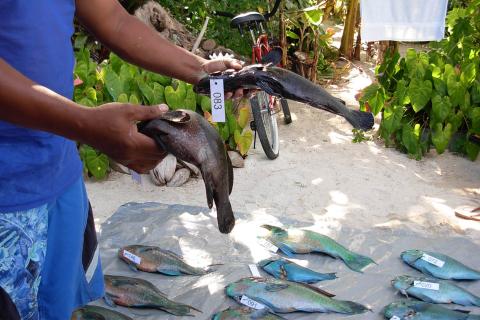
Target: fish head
402	309
402	283
242	286
410	256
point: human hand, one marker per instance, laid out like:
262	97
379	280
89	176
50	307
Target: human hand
111	128
219	65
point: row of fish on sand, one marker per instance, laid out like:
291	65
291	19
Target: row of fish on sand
291	288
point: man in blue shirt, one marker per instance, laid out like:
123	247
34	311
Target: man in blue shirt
49	261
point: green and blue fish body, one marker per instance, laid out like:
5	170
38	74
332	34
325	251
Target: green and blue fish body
245	313
305	241
419	310
97	313
289	270
282	296
434	291
439	265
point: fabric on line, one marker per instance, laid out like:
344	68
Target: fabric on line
406	20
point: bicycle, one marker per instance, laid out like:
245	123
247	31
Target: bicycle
262	104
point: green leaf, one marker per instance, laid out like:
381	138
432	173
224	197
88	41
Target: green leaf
441	108
475	117
243	116
97	163
468	74
80	41
456	91
113	83
122	98
224	131
115	62
475	92
440	86
232	123
417	64
292	35
420	93
314	15
392	119
206	104
176	97
161	79
456	119
472	150
377	102
441	137
410	139
147	92
402	93
191	101
91	94
134	99
158	93
243	141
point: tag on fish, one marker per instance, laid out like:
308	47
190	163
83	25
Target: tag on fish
217	97
251	303
130	256
426	285
136	177
268	245
395	318
254	270
432	260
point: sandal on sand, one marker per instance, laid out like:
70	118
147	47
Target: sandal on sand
468	212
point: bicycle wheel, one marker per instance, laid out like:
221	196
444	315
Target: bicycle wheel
287	117
265	124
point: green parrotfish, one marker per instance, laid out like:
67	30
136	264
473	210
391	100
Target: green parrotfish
97	313
245	313
305	241
284	296
419	310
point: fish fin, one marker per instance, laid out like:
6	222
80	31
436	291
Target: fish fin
361	120
285	249
274	229
356	308
317	289
265	262
109	301
176	116
169	272
230	174
179	309
462	311
276	287
357	262
208	188
265	87
212	267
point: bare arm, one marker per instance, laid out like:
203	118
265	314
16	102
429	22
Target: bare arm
137	43
110	128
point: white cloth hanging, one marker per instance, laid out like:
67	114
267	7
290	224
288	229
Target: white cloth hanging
403	20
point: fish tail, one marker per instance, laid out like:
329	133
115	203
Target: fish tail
180	309
350	307
475	300
360	120
357	262
328	276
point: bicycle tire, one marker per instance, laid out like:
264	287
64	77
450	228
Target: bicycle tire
287	117
265	124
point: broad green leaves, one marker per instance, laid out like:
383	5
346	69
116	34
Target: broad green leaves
96	163
420	93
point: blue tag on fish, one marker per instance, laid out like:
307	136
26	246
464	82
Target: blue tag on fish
217	97
136	177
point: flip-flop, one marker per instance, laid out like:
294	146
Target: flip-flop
468	212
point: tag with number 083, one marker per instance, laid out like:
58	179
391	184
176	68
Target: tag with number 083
217	97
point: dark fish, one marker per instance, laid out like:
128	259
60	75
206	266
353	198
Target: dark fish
97	313
189	137
139	293
154	259
289	85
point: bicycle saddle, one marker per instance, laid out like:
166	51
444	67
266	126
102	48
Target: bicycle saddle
245	18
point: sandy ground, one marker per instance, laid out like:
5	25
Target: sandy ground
374	200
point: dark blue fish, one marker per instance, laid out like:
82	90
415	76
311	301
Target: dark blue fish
288	270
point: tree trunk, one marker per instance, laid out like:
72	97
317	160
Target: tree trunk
346	47
329	9
358	45
383	46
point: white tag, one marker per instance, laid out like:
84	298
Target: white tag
254	270
427	285
217	97
135	176
436	262
395	318
268	245
130	256
251	303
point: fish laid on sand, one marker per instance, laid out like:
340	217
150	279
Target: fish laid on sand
292	241
289	85
434	290
439	265
284	296
419	310
97	313
189	137
288	270
139	293
155	259
245	313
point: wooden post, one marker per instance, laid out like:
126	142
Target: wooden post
282	33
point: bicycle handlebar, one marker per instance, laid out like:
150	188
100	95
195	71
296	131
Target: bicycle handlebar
267	15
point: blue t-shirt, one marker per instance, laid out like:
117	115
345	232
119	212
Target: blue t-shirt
35	39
